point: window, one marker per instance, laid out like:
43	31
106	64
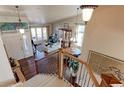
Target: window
39	33
44	33
80	35
33	33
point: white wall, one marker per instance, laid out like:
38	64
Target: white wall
15	46
105	32
5	69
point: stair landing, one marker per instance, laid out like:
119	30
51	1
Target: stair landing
46	80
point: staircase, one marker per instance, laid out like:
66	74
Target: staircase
85	76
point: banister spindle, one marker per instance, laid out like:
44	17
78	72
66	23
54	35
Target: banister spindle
61	65
80	74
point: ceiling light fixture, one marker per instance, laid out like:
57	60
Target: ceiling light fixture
87	11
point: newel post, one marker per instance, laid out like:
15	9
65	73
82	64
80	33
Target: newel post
61	64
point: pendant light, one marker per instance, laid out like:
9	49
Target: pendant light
87	11
19	19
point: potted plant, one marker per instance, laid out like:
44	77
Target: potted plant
74	66
12	62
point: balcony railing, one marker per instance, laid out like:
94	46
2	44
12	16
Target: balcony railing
56	63
84	76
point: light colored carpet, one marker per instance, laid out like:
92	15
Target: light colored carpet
45	80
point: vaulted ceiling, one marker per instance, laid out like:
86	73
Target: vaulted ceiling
37	14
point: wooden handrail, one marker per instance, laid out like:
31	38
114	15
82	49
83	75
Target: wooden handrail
7	83
66	53
19	74
49	55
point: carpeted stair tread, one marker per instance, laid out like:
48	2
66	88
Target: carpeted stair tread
36	80
46	80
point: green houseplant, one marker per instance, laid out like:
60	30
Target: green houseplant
74	66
